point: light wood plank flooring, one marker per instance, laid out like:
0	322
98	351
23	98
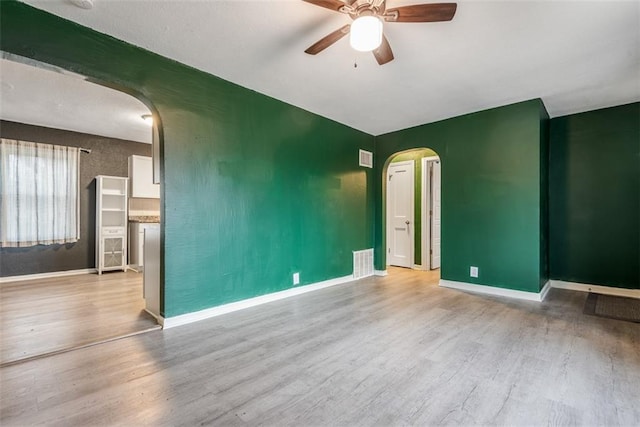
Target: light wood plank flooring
51	315
395	350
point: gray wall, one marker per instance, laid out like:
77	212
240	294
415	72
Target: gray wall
108	157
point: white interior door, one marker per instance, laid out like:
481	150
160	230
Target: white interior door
435	215
400	199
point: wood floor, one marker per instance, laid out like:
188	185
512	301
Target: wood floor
395	350
50	315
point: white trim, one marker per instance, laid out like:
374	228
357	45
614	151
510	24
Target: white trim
158	318
183	319
435	189
135	268
492	290
545	290
424	218
425	203
418	267
432	158
47	275
598	289
380	273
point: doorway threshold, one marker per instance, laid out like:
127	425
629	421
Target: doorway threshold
78	347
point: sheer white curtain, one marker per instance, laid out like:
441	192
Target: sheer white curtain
39	198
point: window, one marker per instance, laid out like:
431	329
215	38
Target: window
39	197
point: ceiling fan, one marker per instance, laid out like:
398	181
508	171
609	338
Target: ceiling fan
375	11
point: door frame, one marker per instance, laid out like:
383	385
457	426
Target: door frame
389	226
425	205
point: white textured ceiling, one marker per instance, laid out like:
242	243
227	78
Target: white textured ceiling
46	97
575	55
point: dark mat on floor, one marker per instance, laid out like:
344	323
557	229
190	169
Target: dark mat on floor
612	307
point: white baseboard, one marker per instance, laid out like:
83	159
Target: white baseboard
380	272
47	275
183	319
158	318
492	290
598	289
134	267
545	290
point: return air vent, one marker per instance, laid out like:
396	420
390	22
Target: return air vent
366	159
362	263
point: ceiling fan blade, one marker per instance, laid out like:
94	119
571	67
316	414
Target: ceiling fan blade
328	4
434	12
383	53
327	41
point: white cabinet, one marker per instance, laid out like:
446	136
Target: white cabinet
136	246
136	243
111	223
141	178
151	275
113	253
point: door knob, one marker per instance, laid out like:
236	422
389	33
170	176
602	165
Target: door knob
406	222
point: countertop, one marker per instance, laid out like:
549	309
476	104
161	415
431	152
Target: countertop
145	219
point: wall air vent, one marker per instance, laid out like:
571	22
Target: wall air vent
362	263
366	159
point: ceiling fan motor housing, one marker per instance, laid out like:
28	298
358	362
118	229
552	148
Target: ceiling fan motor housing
365	8
427	12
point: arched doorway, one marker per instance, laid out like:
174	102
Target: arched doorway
58	302
411	206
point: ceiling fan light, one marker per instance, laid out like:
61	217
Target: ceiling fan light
366	33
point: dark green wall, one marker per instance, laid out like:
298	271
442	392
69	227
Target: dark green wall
416	156
491	209
254	189
594	193
544	195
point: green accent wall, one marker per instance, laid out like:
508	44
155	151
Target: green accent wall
253	189
594	196
492	162
544	195
416	156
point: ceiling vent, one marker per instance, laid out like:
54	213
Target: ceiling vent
366	159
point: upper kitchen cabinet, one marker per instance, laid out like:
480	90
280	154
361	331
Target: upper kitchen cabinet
141	178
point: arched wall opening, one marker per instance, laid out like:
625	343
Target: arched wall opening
492	198
245	177
414	211
81	86
103	151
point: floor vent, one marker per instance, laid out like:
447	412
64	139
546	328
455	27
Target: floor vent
362	263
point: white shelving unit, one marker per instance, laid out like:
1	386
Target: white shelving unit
111	223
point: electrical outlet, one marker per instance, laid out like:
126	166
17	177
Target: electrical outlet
296	278
473	271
